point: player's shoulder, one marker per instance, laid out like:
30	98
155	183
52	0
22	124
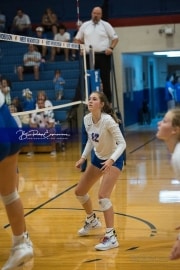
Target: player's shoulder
106	116
108	120
88	119
177	148
88	116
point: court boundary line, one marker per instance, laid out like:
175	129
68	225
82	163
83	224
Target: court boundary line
142	145
151	226
46	202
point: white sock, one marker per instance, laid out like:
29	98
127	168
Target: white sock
91	216
109	231
26	235
17	239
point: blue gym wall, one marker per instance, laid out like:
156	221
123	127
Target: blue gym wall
66	9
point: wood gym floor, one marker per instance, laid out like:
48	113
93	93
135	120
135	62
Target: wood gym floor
146	202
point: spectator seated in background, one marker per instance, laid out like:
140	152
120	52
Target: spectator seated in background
40	34
50	21
62	36
32	61
42	95
43	120
21	23
28	101
2	22
28	104
17	103
58	84
5	88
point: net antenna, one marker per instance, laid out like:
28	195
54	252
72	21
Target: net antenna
78	14
79	23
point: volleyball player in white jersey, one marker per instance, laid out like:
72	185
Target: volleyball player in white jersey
105	138
169	132
22	249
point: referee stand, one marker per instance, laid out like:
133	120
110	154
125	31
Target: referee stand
115	97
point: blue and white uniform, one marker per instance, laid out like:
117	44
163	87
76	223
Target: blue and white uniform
105	138
9	143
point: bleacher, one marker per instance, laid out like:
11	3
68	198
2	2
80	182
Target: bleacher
11	56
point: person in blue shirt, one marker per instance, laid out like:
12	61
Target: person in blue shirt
28	100
177	91
58	84
170	92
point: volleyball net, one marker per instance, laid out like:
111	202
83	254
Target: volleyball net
74	73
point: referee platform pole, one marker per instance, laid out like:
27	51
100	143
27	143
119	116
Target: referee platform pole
94	85
93	79
115	97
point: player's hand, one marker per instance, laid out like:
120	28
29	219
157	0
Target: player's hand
79	163
107	165
175	253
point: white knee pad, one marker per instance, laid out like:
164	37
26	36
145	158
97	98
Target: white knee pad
8	199
83	199
105	204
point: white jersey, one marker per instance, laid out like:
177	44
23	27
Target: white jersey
43	118
24	20
34	56
105	137
64	38
175	160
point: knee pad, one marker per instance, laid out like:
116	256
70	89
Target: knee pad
83	199
8	199
105	204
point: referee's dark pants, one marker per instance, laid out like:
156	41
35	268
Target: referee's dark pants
103	63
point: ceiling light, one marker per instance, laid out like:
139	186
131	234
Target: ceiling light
168	53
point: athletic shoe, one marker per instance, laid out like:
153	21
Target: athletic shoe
20	254
94	224
30	154
53	154
108	242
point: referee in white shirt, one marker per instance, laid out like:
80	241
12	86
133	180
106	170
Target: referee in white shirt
101	36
